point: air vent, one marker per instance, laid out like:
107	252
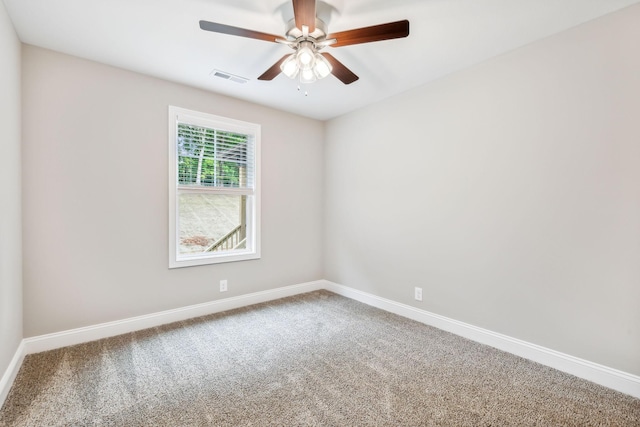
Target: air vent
228	76
221	75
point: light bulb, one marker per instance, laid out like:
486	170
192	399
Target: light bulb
323	67
290	67
307	76
305	56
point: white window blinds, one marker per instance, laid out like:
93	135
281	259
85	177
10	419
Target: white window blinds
210	157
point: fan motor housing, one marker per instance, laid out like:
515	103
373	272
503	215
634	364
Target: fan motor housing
294	33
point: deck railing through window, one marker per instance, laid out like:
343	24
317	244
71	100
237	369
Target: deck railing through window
229	241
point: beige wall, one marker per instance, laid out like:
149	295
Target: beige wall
10	205
95	196
509	192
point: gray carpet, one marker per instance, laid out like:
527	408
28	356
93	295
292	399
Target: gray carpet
316	359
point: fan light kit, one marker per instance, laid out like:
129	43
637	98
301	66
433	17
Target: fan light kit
306	62
307	35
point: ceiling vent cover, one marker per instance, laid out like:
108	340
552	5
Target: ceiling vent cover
228	76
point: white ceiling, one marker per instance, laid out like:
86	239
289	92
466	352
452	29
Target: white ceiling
162	38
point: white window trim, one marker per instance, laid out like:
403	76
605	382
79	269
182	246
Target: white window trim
253	228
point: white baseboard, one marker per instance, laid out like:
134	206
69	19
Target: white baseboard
603	375
599	374
10	374
110	329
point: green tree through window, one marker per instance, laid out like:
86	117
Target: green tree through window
210	157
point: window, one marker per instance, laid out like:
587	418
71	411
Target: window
214	197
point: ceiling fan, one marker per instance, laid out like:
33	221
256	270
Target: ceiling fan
307	35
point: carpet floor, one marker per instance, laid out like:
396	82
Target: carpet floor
316	359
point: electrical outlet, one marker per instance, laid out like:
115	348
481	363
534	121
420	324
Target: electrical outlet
418	294
223	286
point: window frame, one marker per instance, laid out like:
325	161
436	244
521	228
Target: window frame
196	118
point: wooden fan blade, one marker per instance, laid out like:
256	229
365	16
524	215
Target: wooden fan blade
305	14
235	31
274	70
375	33
343	74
